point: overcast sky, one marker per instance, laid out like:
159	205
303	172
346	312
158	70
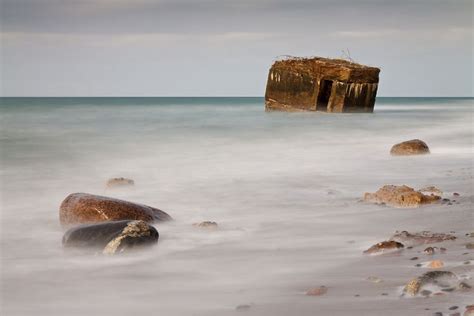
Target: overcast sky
225	48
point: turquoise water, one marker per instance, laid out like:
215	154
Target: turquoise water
282	186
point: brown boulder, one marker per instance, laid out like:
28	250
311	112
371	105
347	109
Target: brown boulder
410	147
400	196
384	246
80	208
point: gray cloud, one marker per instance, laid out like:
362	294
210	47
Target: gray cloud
143	47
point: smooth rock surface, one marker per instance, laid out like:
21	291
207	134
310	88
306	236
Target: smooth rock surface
410	147
111	237
81	208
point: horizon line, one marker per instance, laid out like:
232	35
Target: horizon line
210	96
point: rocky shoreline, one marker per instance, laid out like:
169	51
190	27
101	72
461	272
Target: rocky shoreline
112	226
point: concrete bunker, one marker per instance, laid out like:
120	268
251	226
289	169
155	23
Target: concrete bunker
321	84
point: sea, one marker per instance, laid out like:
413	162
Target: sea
284	188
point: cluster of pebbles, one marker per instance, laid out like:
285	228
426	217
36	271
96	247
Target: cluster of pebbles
437	281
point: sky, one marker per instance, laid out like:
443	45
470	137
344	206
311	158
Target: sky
225	48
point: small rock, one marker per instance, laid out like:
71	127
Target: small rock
414	258
410	147
453	308
111	237
374	279
456	194
442	250
119	182
317	291
432	278
242	308
464	286
383	247
429	250
469	310
470	245
206	224
425	293
431	190
435	264
438	314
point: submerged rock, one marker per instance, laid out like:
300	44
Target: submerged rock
431	190
111	237
384	247
206	224
317	291
410	147
119	182
400	196
79	208
438	279
424	237
435	264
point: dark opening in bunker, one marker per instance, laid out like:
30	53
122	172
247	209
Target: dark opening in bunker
324	95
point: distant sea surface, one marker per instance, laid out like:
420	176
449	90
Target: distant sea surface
283	188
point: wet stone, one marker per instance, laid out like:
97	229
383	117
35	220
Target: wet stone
242	308
111	237
317	291
81	208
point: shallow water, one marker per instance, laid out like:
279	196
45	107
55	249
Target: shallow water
283	187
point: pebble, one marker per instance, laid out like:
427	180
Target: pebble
470	245
453	308
456	194
418	265
414	258
374	279
384	294
438	314
317	291
425	293
242	307
436	264
429	250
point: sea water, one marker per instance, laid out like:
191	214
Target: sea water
284	189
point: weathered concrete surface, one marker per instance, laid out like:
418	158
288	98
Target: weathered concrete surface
111	237
80	208
409	148
400	196
321	84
